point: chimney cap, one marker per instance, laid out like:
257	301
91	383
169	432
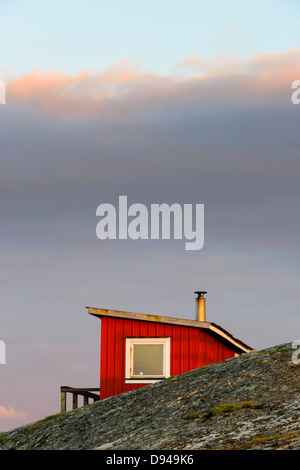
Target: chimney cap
200	293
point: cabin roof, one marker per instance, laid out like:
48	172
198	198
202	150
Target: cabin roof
211	327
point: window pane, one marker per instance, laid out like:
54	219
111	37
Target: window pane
148	359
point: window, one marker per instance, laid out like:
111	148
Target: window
147	359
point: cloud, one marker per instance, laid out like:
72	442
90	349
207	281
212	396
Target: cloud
83	94
11	413
122	88
167	139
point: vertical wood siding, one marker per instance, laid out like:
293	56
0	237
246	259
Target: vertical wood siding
190	348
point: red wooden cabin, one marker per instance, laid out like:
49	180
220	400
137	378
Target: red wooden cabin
138	349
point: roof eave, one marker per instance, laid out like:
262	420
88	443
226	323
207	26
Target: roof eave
101	312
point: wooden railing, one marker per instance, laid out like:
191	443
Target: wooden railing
85	392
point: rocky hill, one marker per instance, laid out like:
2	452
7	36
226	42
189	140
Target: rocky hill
247	402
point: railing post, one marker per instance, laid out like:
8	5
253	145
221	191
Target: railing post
63	400
75	401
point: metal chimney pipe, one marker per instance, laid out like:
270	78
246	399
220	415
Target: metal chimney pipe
200	306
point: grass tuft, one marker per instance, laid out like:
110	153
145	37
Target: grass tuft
223	408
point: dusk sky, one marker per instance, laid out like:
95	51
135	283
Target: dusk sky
164	102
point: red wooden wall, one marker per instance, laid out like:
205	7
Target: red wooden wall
190	348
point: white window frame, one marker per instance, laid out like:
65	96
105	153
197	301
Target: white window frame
129	377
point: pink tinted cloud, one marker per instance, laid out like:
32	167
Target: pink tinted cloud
205	68
11	413
83	93
124	89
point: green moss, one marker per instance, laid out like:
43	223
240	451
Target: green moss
268	353
259	440
192	415
228	407
223	408
4	439
155	318
55	417
280	350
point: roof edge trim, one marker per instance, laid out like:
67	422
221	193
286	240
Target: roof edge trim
101	312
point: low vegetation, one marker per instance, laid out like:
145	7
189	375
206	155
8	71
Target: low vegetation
223	408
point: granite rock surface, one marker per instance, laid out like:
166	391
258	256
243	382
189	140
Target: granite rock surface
247	402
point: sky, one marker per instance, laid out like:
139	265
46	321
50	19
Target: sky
164	102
